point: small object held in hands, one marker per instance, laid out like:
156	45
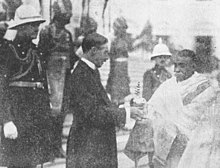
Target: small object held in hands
136	113
138	101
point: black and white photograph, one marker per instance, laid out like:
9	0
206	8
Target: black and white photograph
109	84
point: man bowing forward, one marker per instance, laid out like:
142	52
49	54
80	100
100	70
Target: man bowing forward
92	138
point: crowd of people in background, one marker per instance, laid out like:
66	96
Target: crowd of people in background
41	82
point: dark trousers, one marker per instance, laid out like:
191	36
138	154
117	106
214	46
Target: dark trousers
57	130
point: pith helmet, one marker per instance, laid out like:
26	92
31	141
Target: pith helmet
160	49
25	14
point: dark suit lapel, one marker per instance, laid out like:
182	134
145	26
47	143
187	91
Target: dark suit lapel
93	77
103	92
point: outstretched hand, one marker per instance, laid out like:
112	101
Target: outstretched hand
136	113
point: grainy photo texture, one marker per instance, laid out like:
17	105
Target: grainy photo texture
109	84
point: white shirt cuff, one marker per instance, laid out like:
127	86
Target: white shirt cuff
128	115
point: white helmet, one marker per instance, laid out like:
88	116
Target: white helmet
25	14
160	49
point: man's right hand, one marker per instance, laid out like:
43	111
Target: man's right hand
10	130
136	113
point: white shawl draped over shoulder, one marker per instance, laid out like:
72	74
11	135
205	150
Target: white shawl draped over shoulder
177	108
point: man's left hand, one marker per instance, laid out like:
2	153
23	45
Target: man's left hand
136	113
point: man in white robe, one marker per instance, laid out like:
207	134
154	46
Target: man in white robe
176	108
203	150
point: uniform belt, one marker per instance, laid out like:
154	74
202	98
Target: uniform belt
121	59
27	84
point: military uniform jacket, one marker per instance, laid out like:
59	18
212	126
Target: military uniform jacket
152	80
92	138
27	107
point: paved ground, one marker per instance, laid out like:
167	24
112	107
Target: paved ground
123	160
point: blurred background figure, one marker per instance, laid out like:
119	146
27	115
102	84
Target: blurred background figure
9	7
7	12
158	74
87	26
34	3
3	10
118	80
57	46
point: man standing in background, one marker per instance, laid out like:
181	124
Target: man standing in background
57	46
118	80
154	77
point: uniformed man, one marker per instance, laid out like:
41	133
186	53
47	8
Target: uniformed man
25	110
57	46
158	74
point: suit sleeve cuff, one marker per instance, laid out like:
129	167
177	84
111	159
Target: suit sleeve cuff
128	114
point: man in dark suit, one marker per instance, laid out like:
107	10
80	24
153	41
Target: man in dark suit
92	138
